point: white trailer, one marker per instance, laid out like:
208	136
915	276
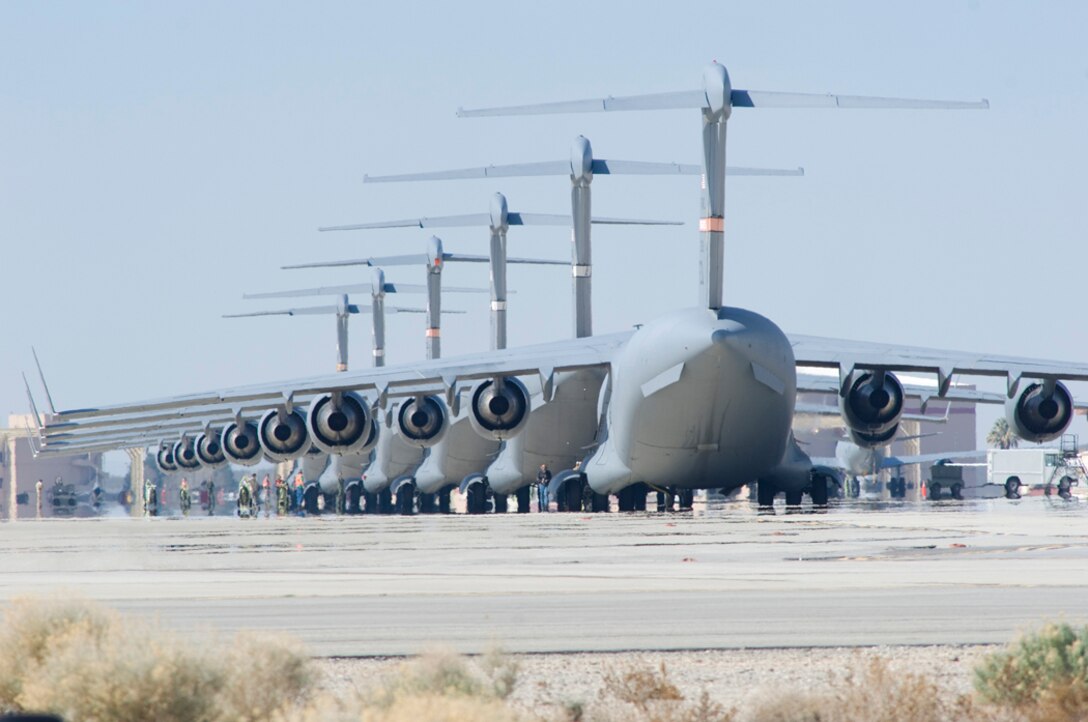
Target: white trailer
1045	468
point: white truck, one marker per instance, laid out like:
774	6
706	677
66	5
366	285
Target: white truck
1042	468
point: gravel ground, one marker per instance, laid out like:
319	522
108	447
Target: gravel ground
733	678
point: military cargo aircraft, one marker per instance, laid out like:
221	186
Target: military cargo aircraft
698	398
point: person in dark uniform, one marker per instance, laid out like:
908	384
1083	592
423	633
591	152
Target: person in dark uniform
543	478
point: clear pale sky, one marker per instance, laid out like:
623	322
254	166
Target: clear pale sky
159	159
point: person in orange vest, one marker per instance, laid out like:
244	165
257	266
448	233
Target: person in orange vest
300	483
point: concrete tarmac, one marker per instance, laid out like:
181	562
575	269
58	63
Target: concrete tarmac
856	575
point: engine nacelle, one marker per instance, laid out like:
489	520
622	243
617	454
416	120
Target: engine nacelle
340	426
499	411
185	455
164	458
1034	416
871	407
240	443
209	450
283	435
423	421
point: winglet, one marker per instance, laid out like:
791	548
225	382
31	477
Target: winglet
33	406
48	396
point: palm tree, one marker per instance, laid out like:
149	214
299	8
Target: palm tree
1001	436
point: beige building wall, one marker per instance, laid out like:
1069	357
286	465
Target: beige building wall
20	471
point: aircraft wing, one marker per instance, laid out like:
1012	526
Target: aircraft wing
814	351
192	412
893	462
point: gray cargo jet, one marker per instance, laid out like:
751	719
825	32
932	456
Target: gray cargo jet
699	398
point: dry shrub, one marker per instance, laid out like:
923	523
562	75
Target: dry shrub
425	708
1049	667
257	665
645	693
31	627
875	693
89	665
438	686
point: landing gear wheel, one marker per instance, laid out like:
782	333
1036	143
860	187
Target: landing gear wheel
370	502
600	504
627	500
934	492
406	499
309	499
501	503
571	495
818	492
793	498
1012	487
641	492
524	494
661	501
385	501
686	497
444	501
476	499
765	493
428	503
957	492
1065	487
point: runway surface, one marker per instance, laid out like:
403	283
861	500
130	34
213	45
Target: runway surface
945	573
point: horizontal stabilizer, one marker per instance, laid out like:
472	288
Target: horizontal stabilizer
635	167
631	222
421	288
656	101
557	167
765	99
563	168
405	260
538	219
308	311
398	309
471	219
316	291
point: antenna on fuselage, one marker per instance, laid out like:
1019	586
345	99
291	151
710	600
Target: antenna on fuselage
716	100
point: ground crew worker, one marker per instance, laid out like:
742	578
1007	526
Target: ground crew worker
184	501
543	478
244	497
282	502
211	498
300	493
38	490
340	496
266	497
150	500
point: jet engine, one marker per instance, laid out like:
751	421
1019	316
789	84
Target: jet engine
871	407
1038	416
185	455
283	435
240	444
341	424
423	421
209	450
164	458
500	408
